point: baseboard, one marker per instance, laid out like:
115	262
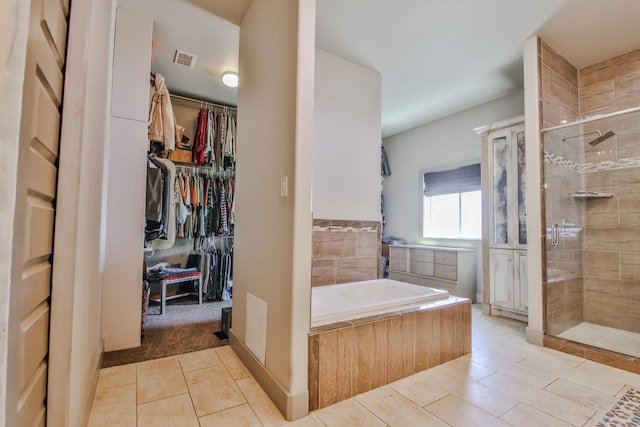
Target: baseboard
534	336
479	298
291	406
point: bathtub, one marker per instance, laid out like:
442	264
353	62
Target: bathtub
367	334
346	301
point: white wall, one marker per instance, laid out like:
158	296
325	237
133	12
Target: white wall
122	291
535	231
272	258
346	153
76	344
446	143
14	17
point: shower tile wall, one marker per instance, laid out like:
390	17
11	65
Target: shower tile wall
612	236
558	88
611	85
559	104
345	251
609	246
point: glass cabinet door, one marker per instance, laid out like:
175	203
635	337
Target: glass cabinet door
500	154
522	189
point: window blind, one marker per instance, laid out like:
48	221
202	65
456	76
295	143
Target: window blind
459	180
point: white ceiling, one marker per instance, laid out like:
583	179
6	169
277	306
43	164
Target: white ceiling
435	57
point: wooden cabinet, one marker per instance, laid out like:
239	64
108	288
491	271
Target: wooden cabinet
451	269
505	290
508	272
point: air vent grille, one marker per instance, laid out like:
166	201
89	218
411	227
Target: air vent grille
184	58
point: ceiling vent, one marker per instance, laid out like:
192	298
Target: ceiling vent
184	58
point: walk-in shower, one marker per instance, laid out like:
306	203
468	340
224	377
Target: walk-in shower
592	220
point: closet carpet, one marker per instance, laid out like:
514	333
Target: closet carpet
183	328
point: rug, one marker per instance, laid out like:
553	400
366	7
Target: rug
625	412
183	328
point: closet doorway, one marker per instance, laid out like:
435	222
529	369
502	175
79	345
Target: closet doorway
211	44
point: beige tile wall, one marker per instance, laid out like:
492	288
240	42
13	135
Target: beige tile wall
345	251
558	88
609	248
564	304
351	360
611	85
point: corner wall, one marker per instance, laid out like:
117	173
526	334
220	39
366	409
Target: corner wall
75	335
346	171
446	143
272	260
346	153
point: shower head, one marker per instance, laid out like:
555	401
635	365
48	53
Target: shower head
601	138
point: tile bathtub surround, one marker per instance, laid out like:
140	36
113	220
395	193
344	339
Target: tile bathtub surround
351	360
345	251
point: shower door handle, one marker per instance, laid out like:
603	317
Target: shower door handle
555	235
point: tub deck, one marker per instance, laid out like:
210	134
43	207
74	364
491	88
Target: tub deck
353	356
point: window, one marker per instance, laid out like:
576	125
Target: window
452	204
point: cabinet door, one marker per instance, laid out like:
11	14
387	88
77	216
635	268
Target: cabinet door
521	288
501	277
398	259
520	220
500	165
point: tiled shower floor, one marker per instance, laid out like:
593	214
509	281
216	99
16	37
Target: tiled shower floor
604	337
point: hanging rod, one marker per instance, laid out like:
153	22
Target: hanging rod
203	101
228	173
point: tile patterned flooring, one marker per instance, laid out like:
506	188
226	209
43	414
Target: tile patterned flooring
504	381
617	340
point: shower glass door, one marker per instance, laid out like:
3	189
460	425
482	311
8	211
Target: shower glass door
592	220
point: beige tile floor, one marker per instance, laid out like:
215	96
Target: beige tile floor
504	381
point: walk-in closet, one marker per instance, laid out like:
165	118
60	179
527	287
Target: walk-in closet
189	214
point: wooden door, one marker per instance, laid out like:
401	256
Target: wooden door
34	216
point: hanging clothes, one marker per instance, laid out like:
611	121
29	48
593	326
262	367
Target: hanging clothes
199	144
162	123
157	199
168	207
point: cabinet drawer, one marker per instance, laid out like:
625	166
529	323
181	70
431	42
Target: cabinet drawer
448	258
449	272
398	258
422	268
424	255
397	252
397	264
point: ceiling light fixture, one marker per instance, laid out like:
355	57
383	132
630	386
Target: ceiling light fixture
230	79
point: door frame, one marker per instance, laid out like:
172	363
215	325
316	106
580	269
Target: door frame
75	352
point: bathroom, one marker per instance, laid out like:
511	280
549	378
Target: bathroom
288	300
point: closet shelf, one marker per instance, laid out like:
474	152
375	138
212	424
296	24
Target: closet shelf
591	195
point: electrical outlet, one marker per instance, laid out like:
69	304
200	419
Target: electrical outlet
284	186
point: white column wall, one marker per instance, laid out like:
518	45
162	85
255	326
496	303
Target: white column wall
75	336
126	157
346	154
535	232
272	258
